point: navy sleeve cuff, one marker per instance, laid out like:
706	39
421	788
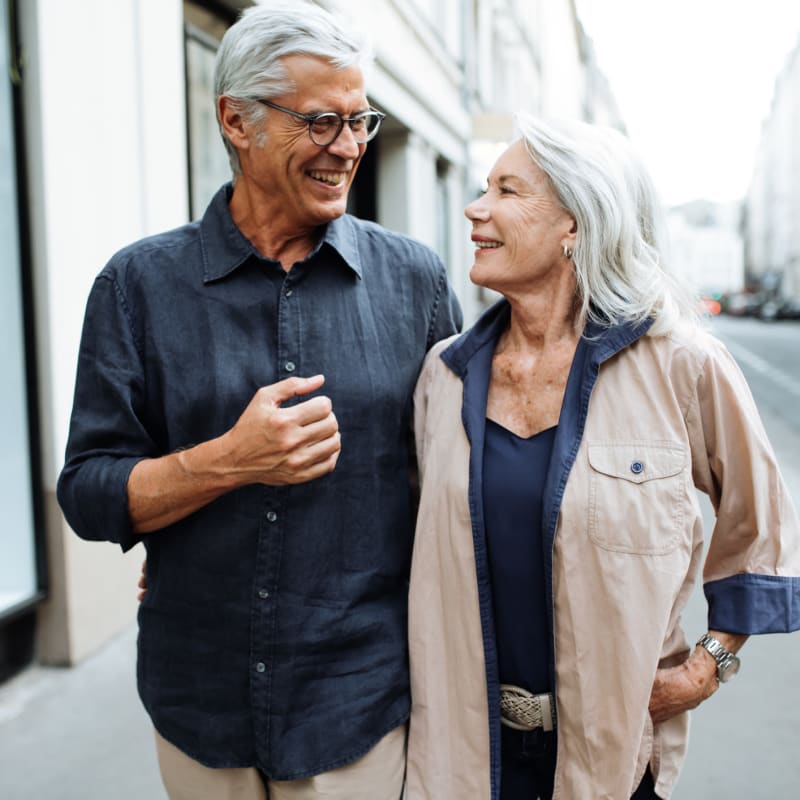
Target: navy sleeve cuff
753	604
94	498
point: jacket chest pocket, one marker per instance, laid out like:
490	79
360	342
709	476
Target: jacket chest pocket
635	496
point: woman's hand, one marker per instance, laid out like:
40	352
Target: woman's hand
681	688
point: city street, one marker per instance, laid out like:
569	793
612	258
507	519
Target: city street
744	740
81	734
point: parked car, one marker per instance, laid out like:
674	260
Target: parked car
790	308
741	304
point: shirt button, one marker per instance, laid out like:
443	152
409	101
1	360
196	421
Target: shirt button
271	516
288	292
263	594
637	467
261	667
289	366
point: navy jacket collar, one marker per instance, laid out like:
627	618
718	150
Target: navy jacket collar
606	340
225	248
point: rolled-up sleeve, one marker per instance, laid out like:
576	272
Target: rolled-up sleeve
751	572
107	434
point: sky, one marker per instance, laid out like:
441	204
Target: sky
693	80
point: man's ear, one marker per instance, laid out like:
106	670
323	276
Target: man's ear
232	123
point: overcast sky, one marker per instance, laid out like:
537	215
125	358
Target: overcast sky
693	80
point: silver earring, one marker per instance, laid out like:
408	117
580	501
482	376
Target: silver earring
567	251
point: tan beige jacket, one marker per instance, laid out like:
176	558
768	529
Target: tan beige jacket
626	553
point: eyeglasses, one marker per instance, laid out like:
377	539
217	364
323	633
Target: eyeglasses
324	128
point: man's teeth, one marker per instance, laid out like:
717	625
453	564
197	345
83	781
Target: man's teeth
484	245
331	178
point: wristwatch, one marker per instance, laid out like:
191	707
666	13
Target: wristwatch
727	663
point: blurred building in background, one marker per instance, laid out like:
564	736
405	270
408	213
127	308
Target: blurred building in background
108	134
706	247
772	206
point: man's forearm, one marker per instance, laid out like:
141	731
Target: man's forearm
268	444
162	491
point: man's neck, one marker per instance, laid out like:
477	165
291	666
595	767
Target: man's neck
261	224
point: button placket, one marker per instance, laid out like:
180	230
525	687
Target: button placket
286	312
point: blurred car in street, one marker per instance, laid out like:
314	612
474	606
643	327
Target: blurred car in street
766	306
740	304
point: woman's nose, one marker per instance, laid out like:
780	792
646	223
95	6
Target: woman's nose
477	209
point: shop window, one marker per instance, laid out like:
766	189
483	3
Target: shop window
208	159
18	563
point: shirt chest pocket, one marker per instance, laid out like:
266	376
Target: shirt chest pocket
636	496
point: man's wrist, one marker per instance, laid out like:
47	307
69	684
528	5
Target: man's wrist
208	465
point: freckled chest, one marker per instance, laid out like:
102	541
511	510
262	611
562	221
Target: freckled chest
526	390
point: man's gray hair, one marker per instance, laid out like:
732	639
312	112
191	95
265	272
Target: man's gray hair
621	241
249	62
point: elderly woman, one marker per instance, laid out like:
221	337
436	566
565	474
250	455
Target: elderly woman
561	441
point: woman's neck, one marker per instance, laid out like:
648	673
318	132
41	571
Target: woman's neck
542	319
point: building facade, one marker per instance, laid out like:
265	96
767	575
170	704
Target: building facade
706	247
772	206
108	134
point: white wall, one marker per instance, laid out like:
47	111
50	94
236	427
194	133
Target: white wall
709	258
104	116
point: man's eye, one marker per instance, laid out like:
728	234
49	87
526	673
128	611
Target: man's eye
506	190
325	123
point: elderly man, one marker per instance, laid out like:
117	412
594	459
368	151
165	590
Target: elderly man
277	520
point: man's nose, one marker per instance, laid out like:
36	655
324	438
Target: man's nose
345	144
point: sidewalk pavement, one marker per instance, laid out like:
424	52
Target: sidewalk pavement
79	733
82	734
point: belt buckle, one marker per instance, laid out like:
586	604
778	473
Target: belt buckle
524	711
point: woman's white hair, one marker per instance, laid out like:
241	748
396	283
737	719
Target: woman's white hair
249	60
621	239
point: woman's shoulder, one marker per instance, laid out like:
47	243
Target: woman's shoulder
442	345
692	352
693	340
433	368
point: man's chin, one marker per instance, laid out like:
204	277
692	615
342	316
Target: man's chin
329	211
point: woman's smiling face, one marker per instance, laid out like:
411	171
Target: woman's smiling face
518	226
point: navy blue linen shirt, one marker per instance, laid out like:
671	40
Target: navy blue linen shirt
273	630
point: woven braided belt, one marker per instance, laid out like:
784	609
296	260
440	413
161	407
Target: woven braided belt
523	711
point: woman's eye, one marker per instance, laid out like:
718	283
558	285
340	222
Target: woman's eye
506	190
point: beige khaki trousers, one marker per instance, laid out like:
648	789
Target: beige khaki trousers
378	775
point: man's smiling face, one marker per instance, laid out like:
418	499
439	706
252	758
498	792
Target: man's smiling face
307	183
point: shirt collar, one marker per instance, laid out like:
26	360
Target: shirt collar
225	248
606	341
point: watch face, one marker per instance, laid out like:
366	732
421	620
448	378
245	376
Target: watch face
728	670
